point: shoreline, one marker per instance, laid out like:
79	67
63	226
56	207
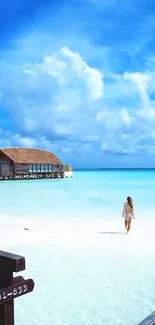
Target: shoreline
81	234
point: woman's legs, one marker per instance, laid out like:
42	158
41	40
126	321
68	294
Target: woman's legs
126	224
129	225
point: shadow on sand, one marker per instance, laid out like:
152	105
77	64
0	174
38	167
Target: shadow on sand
111	233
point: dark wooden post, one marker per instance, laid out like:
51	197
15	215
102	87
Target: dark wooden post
10	287
6	279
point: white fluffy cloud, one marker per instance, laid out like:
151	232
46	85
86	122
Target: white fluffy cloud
141	83
68	67
125	116
64	104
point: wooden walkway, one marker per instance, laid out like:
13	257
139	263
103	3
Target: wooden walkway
149	320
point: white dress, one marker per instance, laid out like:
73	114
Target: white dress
128	212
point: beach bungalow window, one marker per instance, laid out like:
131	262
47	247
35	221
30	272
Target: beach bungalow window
46	167
5	163
30	167
34	168
50	167
42	167
38	168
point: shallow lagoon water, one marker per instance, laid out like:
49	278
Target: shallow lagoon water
86	270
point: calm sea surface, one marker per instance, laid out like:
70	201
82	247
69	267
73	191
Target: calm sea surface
91	194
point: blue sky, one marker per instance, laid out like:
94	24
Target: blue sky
77	77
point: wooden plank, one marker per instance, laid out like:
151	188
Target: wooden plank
16	262
18	279
149	320
16	290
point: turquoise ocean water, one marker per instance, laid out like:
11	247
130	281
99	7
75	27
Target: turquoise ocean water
109	281
89	194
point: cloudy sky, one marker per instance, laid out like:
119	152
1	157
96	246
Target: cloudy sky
77	77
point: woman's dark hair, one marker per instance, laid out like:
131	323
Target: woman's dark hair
129	200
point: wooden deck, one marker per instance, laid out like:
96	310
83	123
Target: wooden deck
33	176
149	320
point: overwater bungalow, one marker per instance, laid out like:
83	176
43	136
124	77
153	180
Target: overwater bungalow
26	163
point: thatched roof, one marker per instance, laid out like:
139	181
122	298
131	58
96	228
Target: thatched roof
31	156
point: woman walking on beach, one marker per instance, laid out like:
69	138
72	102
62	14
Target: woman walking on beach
128	213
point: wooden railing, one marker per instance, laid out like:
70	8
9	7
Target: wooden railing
67	168
149	320
57	168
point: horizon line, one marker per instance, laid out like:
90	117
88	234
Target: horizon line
113	168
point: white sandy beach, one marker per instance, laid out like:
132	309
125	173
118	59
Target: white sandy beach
95	234
84	272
